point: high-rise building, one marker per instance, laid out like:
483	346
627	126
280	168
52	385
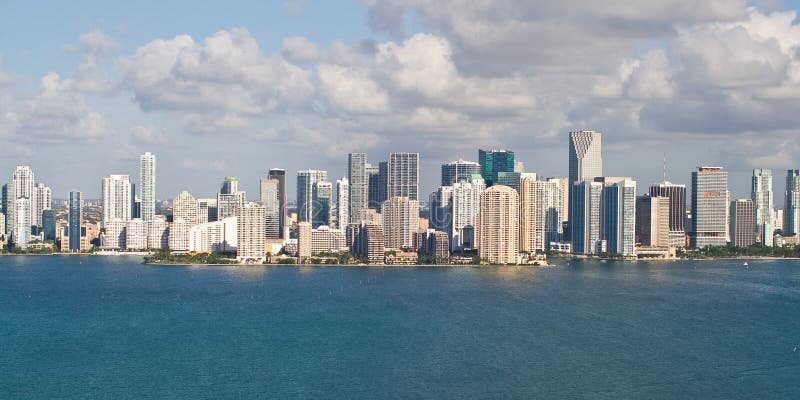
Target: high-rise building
494	161
269	191
24	188
280	175
43	196
158	233
677	210
136	234
214	237
585	158
456	171
368	242
510	179
207	210
114	236
762	197
652	221
585	212
400	221
147	185
440	204
466	203
48	225
21	234
377	177
743	223
116	198
618	223
403	176
709	207
185	207
229	199
251	233
303	240
178	239
779	220
343	203
540	213
791	207
323	203
75	220
8	206
498	225
306	180
230	185
359	182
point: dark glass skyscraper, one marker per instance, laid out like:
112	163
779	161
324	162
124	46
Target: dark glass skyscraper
49	224
75	220
459	170
494	161
280	175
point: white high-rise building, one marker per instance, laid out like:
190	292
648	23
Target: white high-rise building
342	203
43	201
763	201
251	233
116	198
618	215
498	225
136	234
114	236
710	207
400	221
466	204
403	176
179	235
358	180
147	185
269	197
21	233
158	233
214	237
23	187
540	213
185	207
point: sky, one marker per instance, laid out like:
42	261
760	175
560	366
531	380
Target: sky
234	89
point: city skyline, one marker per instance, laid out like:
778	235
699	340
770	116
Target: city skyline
300	90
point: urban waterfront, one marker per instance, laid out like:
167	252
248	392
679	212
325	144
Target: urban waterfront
91	326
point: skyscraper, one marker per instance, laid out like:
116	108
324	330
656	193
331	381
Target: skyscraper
185	207
743	222
585	213
709	207
494	161
43	201
440	204
343	203
147	185
465	204
305	192
652	221
618	223
21	235
762	197
677	210
585	157
540	213
229	199
791	208
403	176
323	203
230	185
251	233
24	188
498	225
268	197
8	206
358	182
400	221
116	191
75	220
377	177
280	175
458	170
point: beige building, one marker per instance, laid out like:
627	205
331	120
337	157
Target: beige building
540	209
498	225
136	234
186	207
400	221
158	233
304	240
652	221
251	233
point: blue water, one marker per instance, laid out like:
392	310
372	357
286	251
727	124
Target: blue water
109	327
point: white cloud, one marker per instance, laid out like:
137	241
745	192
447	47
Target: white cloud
351	90
148	135
298	49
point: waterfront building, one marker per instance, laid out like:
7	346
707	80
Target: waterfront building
791	207
432	243
343	203
494	161
147	186
368	242
762	197
158	233
304	240
618	223
327	240
251	233
498	225
540	213
677	210
136	234
8	207
43	200
116	200
75	220
21	234
400	221
465	207
185	207
402	179
456	171
269	190
585	213
743	222
652	221
114	236
214	237
279	175
358	179
306	181
710	207
178	239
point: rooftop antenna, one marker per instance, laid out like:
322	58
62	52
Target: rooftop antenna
664	170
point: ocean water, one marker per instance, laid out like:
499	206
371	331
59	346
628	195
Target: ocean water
110	327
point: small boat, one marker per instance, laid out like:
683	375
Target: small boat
746	264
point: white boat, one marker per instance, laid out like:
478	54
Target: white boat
746	264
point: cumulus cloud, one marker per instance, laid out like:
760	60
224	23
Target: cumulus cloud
298	49
224	73
148	135
351	90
